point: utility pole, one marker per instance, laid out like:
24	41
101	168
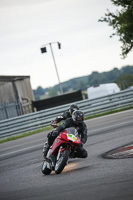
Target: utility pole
44	50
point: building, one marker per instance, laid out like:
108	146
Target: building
16	96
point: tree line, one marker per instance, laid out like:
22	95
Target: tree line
123	77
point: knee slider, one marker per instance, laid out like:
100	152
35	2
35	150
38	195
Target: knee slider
85	154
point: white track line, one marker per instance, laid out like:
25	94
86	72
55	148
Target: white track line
21	150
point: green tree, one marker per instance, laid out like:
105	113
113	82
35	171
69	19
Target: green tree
127	70
39	91
124	81
81	85
122	23
52	92
94	79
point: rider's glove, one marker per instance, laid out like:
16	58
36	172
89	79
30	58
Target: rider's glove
54	123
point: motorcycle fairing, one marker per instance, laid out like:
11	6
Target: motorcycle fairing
64	138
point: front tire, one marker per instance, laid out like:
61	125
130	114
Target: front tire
61	162
45	169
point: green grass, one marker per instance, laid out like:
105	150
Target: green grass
108	113
15	137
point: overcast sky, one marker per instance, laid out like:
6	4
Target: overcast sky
27	25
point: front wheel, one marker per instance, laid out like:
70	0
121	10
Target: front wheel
45	169
61	162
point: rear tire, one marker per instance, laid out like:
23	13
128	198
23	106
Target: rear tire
45	170
61	162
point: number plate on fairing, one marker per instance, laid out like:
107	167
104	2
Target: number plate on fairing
71	137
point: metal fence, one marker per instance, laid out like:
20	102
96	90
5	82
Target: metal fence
14	109
8	110
43	118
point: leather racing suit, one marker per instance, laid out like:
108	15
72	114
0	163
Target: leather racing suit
82	131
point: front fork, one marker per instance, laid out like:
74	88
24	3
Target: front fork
51	160
61	149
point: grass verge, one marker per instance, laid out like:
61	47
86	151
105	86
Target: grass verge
107	113
15	137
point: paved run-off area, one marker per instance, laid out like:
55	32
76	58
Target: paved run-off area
93	178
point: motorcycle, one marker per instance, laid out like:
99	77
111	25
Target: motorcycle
62	149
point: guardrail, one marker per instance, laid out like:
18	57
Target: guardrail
43	118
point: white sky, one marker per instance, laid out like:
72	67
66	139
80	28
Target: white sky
26	25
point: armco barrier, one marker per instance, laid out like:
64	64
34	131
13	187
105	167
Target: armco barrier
43	118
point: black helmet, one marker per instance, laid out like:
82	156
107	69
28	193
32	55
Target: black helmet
72	108
78	116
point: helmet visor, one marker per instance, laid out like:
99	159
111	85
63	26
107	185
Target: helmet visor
79	119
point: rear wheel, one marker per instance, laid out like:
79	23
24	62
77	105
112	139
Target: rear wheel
61	162
45	169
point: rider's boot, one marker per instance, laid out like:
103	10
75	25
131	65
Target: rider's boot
45	149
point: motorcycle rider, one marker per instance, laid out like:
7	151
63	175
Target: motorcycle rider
77	121
65	115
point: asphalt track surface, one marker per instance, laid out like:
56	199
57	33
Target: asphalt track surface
93	178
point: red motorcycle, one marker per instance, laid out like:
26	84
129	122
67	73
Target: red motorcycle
62	149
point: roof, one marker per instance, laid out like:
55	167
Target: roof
12	78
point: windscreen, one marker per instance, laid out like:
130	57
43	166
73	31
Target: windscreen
73	131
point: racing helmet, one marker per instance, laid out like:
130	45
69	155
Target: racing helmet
78	116
72	108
